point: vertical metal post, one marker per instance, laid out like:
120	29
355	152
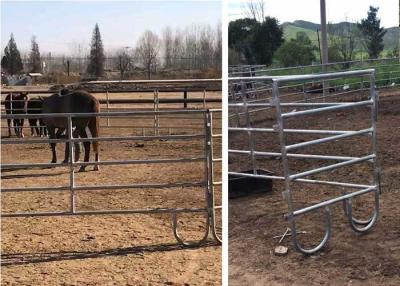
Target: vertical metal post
71	167
248	125
108	108
304	87
211	179
207	156
204	99
233	93
374	119
287	194
207	194
362	86
184	99
155	114
11	111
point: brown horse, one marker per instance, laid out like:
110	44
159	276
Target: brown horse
73	102
16	103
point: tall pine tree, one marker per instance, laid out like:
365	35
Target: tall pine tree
11	61
96	58
373	33
34	56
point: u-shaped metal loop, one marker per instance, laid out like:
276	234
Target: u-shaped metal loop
213	228
355	220
327	215
179	238
368	224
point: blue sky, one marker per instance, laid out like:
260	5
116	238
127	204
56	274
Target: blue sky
336	10
60	26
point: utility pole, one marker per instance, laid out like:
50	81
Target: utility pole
319	48
324	42
324	38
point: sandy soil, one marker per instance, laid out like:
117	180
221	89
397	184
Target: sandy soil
109	249
348	259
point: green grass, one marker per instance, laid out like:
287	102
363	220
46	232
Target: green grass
290	32
386	73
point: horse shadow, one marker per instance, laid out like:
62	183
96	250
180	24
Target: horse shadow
12	259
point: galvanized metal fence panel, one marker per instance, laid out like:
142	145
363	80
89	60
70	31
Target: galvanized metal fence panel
207	183
275	103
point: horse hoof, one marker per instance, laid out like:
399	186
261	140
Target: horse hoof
81	169
96	168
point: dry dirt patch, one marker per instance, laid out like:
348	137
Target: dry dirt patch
110	249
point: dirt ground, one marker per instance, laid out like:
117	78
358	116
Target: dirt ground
349	258
110	249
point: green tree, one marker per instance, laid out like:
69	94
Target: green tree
266	39
372	33
34	56
240	33
296	52
344	38
96	58
11	61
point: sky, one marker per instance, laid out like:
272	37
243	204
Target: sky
308	10
61	26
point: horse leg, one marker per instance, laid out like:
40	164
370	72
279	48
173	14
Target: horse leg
86	145
59	136
21	128
94	130
37	128
42	128
9	127
32	123
77	145
96	167
52	135
16	129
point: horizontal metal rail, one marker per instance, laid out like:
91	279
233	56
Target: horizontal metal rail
291	155
105	187
329	76
110	212
328	139
104	114
326	109
331	167
335	200
150	100
295	131
156	81
290	104
307	181
102	139
104	163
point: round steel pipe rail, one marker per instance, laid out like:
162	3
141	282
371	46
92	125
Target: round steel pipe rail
278	118
208	182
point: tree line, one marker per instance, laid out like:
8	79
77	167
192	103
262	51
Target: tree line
194	48
259	40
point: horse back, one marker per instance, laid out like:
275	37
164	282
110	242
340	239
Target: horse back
73	102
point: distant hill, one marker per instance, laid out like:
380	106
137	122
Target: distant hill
390	39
